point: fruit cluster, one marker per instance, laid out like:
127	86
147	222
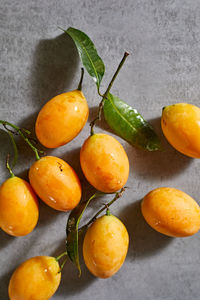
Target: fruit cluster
105	165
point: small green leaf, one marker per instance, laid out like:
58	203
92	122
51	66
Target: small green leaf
126	122
72	231
88	54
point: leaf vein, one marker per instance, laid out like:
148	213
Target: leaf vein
89	59
115	108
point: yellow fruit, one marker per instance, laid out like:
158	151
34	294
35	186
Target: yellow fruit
55	182
61	119
105	246
181	126
35	279
18	207
104	163
171	212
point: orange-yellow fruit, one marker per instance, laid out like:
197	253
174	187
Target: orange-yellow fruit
61	119
105	246
171	212
104	163
181	126
55	182
18	207
37	278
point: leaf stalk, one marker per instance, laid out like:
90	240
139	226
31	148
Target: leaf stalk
106	206
104	96
63	264
61	255
20	132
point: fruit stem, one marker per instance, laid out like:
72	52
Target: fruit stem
108	212
98	117
20	131
8	167
15	155
63	264
126	54
81	80
106	206
61	255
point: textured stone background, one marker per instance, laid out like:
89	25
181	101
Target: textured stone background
37	62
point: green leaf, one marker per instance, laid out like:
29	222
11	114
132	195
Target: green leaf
126	122
72	231
88	54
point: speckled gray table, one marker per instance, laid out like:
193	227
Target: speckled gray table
37	62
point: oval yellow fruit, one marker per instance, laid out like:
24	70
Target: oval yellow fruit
105	246
55	182
181	126
19	210
171	212
61	119
37	278
104	163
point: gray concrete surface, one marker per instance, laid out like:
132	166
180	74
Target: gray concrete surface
37	62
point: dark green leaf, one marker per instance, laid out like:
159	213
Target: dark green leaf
72	231
126	122
88	54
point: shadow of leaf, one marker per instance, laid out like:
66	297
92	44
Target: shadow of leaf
54	64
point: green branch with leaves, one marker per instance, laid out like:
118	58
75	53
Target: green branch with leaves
124	120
